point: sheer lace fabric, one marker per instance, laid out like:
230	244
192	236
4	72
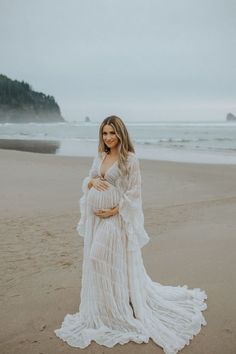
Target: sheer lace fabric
119	301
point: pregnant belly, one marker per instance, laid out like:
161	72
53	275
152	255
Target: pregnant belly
106	199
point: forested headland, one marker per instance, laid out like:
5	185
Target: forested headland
19	103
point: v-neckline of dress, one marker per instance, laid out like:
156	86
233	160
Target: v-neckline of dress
103	158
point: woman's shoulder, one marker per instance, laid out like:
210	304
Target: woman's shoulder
132	156
99	155
132	160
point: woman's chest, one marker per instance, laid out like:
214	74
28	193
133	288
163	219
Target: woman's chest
109	172
106	164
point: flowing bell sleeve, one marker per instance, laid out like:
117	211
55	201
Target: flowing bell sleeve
81	226
130	208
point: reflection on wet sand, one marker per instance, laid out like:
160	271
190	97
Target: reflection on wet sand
41	146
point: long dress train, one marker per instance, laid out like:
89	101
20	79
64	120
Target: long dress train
119	301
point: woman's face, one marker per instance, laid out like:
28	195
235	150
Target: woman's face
109	136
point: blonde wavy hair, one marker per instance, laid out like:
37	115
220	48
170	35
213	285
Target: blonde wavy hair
125	144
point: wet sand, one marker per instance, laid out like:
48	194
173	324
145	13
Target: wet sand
41	146
190	215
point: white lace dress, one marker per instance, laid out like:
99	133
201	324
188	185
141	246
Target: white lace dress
119	301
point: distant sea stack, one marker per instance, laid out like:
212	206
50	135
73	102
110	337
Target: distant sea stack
230	117
20	104
87	120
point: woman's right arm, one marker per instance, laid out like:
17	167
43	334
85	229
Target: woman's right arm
91	180
87	182
81	226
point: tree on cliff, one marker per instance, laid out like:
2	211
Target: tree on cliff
20	104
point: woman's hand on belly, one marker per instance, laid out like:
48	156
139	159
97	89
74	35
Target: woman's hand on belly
100	184
106	213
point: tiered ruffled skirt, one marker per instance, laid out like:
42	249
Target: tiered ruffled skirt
113	279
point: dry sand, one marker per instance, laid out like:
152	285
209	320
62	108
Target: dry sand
190	215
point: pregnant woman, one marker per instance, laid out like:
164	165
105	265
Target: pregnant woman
119	301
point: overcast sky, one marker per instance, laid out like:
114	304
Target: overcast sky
140	59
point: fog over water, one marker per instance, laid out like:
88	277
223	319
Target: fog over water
143	60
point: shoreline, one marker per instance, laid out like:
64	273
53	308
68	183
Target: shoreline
70	147
189	212
36	146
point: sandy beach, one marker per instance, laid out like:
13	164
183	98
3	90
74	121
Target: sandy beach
190	216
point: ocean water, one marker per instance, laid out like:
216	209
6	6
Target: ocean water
188	142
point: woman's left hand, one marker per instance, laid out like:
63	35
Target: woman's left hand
106	213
